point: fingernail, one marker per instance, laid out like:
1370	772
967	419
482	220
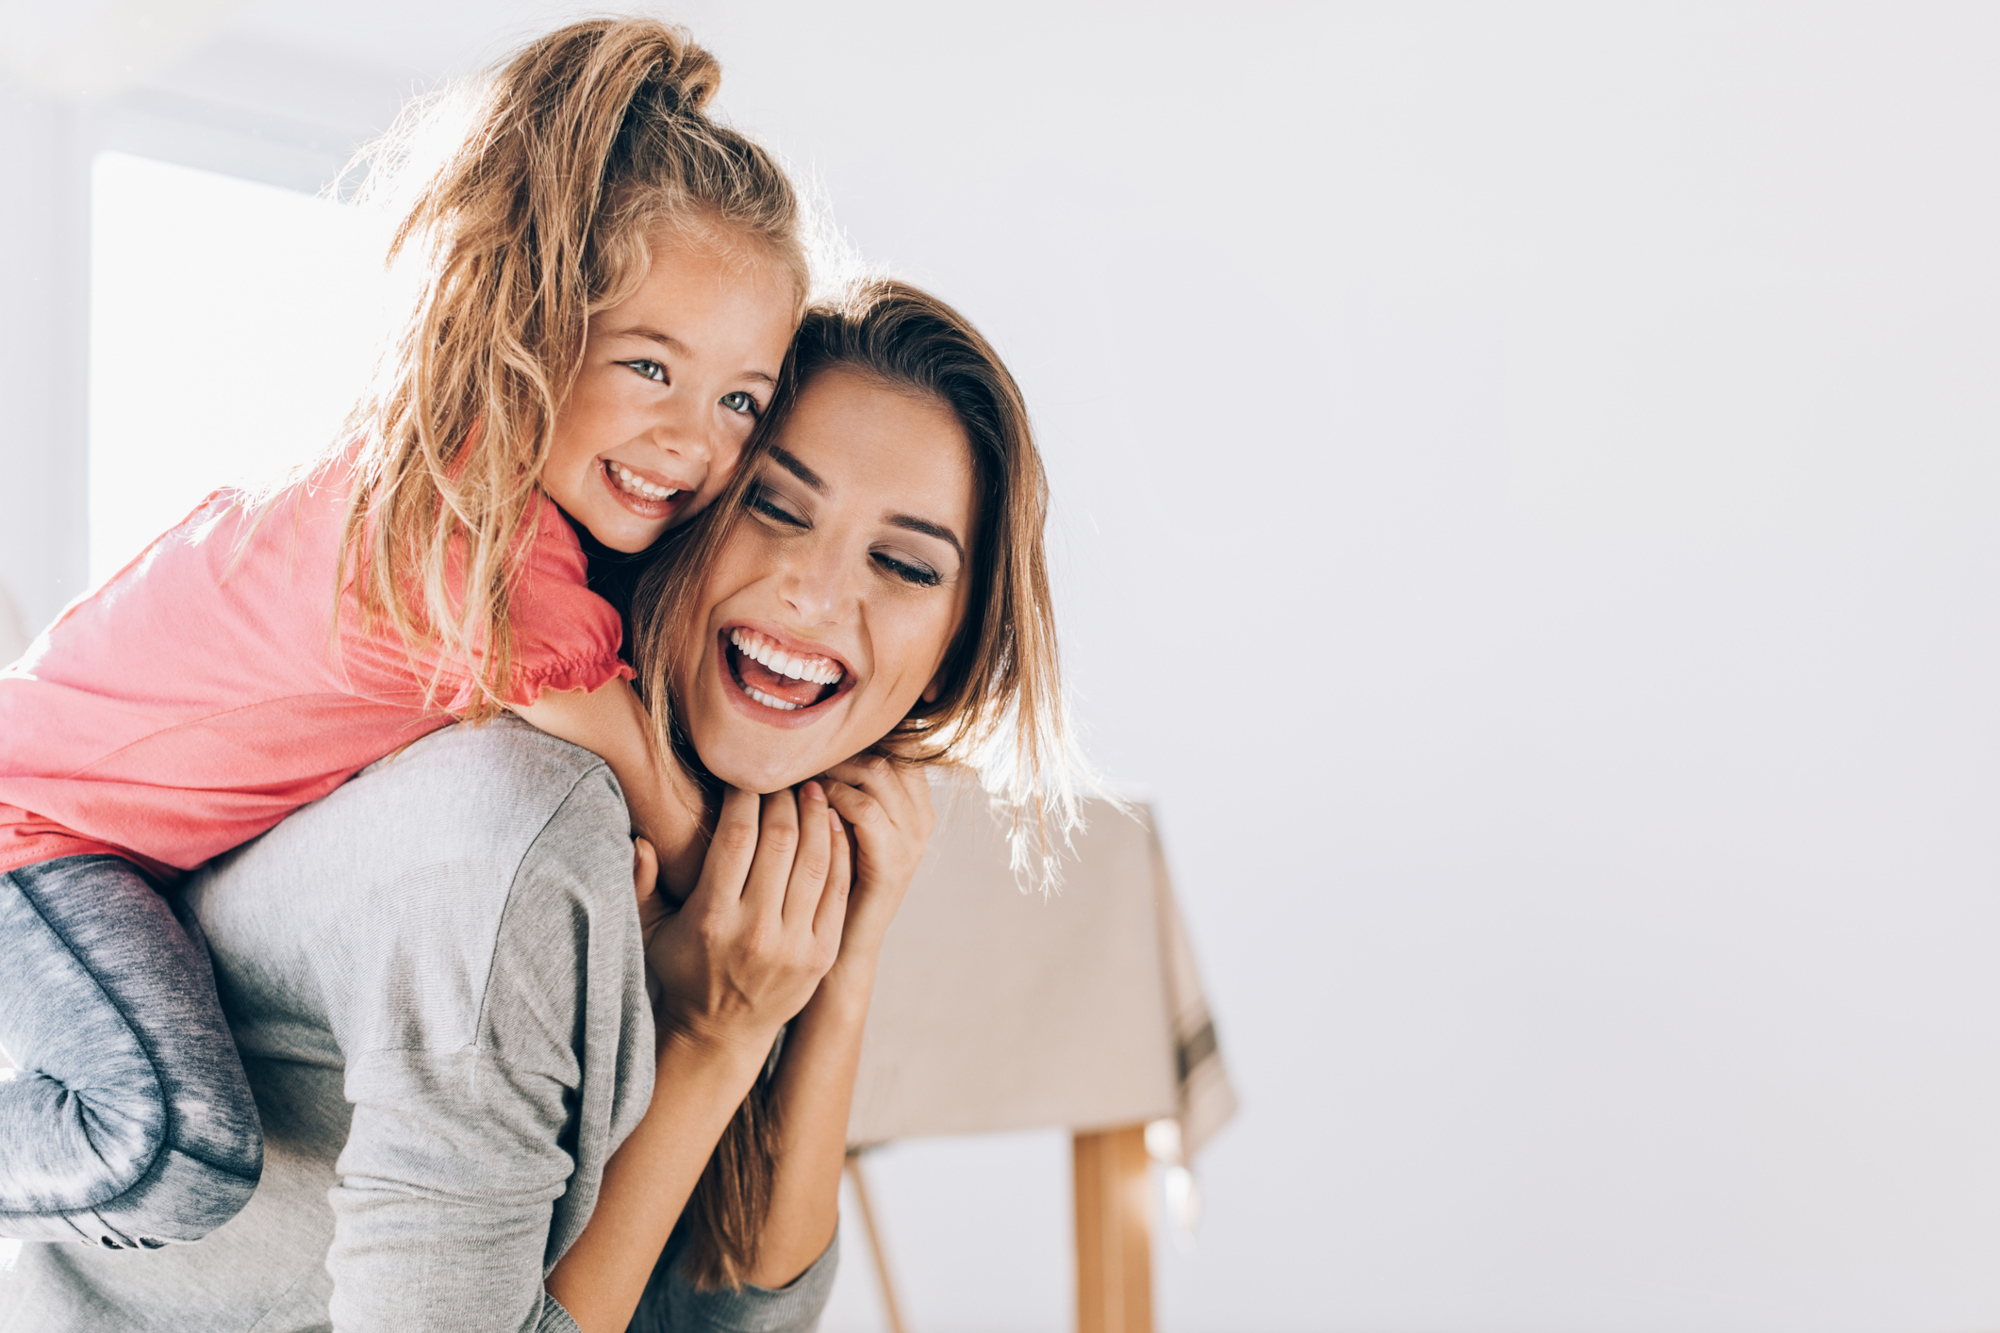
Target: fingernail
834	815
813	791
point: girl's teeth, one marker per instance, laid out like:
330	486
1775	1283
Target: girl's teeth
769	701
818	670
631	481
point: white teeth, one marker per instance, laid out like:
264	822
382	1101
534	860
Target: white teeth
629	480
818	670
770	701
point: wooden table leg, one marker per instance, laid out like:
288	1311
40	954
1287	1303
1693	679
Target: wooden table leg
1114	1234
891	1307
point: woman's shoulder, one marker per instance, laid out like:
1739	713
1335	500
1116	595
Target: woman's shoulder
400	889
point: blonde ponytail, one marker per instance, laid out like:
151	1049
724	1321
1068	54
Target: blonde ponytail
585	150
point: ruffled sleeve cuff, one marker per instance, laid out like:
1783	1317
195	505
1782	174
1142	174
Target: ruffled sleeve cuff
574	673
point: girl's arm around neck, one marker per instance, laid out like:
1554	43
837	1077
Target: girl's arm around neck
611	723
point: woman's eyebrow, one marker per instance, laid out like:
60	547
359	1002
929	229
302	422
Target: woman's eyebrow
929	529
791	464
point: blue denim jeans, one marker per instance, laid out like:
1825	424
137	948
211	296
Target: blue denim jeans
128	1122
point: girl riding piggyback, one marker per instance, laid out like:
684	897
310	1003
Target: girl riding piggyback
611	282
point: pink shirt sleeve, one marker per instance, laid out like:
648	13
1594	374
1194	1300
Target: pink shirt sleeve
566	637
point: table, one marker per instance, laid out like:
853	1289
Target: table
997	1009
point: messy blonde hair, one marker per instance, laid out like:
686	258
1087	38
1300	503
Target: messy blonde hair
585	151
999	708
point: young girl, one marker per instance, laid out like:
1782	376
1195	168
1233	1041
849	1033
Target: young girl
612	282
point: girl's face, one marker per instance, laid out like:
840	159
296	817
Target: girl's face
673	379
829	611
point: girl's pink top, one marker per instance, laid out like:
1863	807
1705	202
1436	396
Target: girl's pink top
199	696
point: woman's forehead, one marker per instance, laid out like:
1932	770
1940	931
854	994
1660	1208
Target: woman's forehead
849	430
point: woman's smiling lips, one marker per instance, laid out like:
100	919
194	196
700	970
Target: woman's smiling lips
649	494
777	679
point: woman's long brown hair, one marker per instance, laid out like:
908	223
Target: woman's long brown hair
587	151
1000	707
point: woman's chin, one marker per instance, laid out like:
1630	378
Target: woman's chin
758	773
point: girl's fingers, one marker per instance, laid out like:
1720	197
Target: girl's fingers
873	774
863	813
832	913
813	858
903	790
653	905
645	869
731	852
777	845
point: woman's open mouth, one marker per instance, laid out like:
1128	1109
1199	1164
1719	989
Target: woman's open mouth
778	677
645	495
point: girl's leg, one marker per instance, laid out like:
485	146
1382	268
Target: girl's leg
128	1121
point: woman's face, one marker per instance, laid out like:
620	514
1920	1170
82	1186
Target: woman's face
829	611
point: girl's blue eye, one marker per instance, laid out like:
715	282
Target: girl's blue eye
739	402
652	370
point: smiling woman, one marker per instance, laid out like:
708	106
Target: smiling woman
898	492
830	610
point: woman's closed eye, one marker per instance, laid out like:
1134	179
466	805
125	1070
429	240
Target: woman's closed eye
913	572
764	502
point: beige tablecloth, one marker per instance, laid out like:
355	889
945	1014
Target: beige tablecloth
997	1009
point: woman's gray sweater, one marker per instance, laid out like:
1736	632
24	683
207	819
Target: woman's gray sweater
434	976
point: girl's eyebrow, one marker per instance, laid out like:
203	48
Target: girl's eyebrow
666	340
679	348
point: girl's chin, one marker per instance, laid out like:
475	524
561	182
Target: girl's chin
621	534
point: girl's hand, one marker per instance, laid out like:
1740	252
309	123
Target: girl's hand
763	924
887	807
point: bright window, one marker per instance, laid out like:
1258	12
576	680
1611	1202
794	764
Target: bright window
232	325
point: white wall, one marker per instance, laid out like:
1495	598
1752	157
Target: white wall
43	345
1527	480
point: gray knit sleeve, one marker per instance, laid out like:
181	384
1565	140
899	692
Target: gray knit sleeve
672	1304
495	1060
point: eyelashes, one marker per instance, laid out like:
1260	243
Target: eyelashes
738	401
758	500
916	575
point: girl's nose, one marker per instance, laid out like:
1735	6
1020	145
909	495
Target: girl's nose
683	432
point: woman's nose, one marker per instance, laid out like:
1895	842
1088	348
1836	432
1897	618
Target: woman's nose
812	589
